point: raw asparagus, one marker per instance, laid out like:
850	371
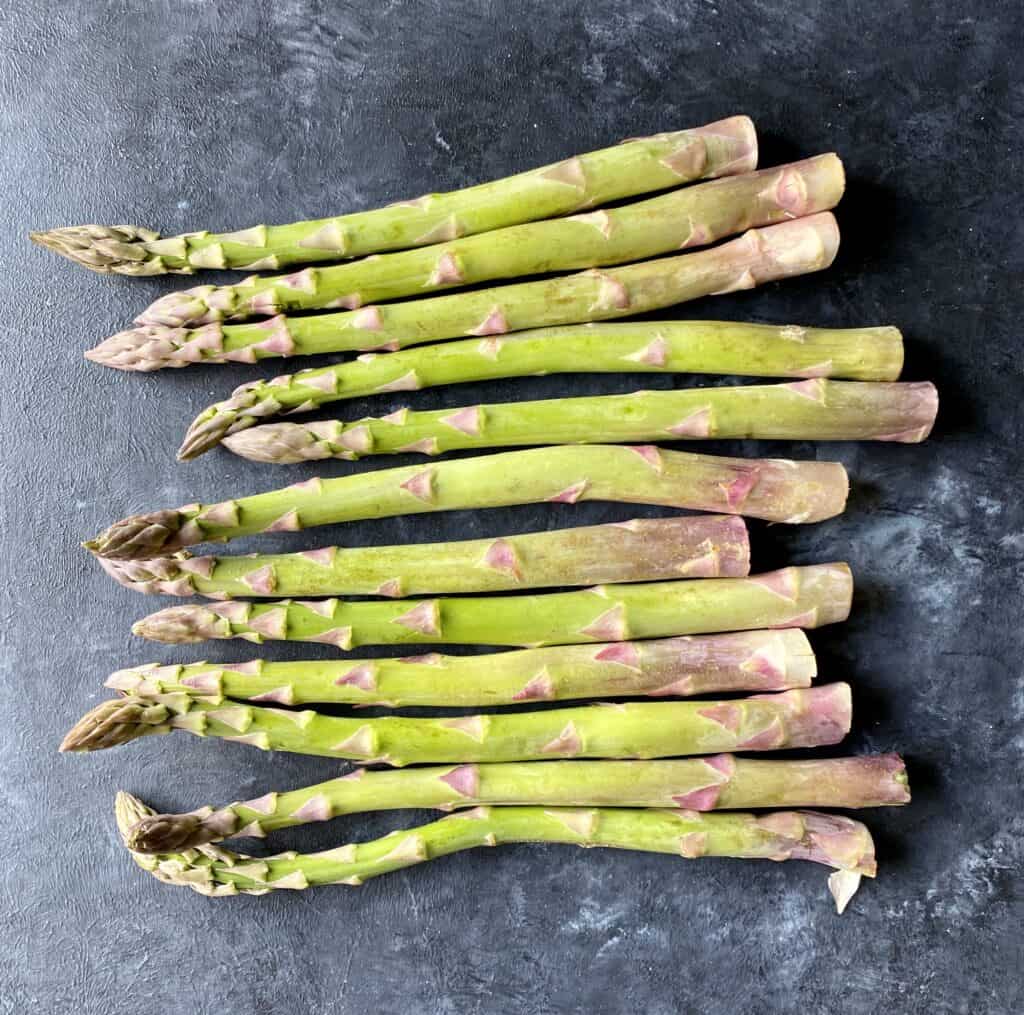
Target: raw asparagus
703	546
634	167
811	717
793	597
774	489
724	663
828	839
759	256
800	410
678	220
721	782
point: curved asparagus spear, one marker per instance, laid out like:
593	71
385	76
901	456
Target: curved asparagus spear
828	839
801	410
803	718
793	597
703	546
774	489
761	255
678	220
748	661
634	167
721	782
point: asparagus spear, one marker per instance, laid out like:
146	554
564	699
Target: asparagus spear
828	839
809	717
761	255
634	167
801	410
721	782
774	489
704	546
678	220
748	661
793	597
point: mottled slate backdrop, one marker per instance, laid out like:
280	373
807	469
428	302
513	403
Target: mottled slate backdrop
181	115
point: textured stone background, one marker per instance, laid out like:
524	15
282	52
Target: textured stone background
180	115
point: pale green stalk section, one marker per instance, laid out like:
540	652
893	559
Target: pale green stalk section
610	174
811	410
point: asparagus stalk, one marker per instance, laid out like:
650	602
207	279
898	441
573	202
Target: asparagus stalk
809	717
793	597
761	255
801	410
610	174
678	220
837	842
774	489
704	546
721	782
749	661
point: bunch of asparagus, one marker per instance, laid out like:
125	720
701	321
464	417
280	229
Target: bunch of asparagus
662	608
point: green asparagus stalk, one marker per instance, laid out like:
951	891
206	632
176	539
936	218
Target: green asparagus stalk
703	546
678	220
800	410
774	489
720	782
809	717
793	597
635	167
829	839
714	664
761	255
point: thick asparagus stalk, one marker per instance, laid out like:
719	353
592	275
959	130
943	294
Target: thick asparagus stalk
774	489
610	174
761	255
721	782
828	839
748	661
800	410
793	597
678	220
703	546
809	717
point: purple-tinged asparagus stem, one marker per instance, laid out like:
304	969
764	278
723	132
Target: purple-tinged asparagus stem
804	597
773	489
712	664
720	782
838	842
702	546
810	717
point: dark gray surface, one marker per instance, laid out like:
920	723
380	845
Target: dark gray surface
201	114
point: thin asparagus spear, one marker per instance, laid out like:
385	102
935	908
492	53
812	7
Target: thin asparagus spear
774	489
721	782
809	717
793	597
723	663
828	839
678	220
702	546
634	167
801	410
760	256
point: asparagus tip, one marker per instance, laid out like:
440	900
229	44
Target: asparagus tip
109	250
114	722
168	833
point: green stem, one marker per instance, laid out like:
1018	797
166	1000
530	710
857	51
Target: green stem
678	220
723	663
610	174
793	597
801	410
773	489
721	782
809	717
835	841
702	546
